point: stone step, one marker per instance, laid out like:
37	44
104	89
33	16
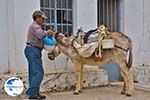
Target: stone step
141	74
142	86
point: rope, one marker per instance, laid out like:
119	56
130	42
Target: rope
59	74
102	34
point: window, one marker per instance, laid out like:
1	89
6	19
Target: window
60	16
109	14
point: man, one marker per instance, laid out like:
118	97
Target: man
33	53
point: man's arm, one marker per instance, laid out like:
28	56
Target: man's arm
41	33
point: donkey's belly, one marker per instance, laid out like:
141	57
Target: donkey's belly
107	56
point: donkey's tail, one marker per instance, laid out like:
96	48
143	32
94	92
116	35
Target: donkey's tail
130	55
130	59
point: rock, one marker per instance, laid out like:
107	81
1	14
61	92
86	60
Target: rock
141	74
95	77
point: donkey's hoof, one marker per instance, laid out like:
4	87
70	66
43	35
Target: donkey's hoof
123	93
128	95
75	93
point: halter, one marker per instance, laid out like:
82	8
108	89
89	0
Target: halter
59	41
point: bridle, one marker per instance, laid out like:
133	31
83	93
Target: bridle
60	41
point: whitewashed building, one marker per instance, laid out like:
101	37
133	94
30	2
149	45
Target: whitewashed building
129	16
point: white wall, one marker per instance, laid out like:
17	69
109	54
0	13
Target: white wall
146	34
85	14
23	10
137	26
3	36
15	18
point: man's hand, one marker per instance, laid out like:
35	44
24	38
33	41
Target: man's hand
50	32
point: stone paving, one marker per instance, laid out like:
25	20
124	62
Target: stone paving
99	93
93	77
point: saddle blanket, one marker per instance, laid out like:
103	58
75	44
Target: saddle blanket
87	49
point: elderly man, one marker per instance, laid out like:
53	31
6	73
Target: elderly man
33	53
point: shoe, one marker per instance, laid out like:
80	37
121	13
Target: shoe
37	97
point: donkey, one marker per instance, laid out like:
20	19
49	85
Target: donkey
117	54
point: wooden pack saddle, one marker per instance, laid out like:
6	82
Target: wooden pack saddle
88	43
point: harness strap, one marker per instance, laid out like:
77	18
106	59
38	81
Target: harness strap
121	48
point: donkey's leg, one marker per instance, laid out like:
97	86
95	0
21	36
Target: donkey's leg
131	85
81	79
125	74
124	85
123	68
127	79
78	67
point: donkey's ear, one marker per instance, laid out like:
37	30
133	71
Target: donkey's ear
67	35
56	35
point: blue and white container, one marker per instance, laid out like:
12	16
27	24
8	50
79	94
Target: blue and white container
49	43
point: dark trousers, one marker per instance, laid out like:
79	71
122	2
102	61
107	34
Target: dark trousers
35	69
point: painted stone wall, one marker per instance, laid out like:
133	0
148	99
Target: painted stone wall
58	82
141	74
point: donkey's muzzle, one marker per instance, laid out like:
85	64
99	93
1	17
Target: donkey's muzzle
51	57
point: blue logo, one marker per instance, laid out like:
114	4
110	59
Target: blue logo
13	86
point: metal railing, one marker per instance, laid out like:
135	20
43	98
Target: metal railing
59	13
108	14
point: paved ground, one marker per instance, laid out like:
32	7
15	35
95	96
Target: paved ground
101	93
